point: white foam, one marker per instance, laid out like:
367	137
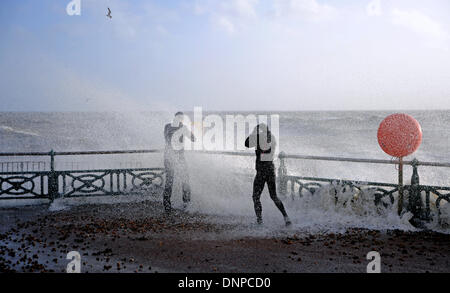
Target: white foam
18	131
60	204
220	189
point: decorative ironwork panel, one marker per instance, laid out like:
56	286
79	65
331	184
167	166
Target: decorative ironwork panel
434	197
14	185
381	193
109	182
146	180
300	186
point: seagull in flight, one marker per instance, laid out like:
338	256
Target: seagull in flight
109	13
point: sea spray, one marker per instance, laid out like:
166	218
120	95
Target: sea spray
222	185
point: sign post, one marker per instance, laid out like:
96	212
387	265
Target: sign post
399	135
400	185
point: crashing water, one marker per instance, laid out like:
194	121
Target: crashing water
222	185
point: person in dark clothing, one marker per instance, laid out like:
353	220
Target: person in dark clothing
174	161
264	143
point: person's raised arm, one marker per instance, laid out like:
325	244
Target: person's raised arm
166	134
250	142
188	133
192	138
247	142
273	143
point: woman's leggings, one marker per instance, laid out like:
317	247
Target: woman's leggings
263	176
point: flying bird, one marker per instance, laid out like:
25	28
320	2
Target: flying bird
109	13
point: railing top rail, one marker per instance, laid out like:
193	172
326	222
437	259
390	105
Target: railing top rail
356	160
35	154
241	153
339	159
107	152
76	153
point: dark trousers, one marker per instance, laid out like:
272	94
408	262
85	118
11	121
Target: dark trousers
266	174
171	165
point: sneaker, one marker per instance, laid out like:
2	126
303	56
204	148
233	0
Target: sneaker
185	206
288	222
259	221
168	212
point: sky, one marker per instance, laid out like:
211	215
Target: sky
225	55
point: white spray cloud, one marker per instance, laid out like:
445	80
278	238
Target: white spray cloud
229	16
225	23
374	8
419	23
305	9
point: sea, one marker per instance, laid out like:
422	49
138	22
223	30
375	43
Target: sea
222	185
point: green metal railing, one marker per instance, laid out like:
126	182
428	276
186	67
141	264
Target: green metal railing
54	183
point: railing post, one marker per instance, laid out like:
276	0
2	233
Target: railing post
52	178
415	205
282	172
400	185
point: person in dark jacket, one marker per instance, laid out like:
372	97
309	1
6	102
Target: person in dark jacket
264	143
174	161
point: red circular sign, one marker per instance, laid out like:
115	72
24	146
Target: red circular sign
399	135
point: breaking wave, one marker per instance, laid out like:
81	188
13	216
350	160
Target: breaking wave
17	131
